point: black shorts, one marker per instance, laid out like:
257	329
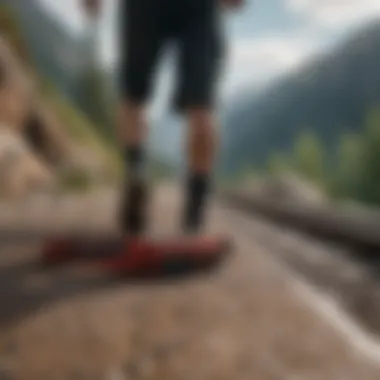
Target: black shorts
195	28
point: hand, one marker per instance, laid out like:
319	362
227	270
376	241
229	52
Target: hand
92	7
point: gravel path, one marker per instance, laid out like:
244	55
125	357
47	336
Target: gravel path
243	321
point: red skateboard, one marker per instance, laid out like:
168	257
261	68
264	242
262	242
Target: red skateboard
119	255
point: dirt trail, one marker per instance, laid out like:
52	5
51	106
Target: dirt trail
244	321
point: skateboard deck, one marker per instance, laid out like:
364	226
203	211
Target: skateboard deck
120	255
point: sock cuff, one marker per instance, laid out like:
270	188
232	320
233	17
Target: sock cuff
133	154
134	158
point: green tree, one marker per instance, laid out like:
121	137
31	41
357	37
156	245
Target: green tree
369	176
246	171
278	163
94	101
93	94
308	158
345	181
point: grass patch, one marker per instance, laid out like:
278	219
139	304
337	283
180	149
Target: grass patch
80	130
75	180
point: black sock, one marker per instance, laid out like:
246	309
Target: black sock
134	206
198	186
134	161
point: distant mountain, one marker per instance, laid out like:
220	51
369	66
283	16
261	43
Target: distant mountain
330	95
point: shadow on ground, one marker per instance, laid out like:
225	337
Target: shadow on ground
26	285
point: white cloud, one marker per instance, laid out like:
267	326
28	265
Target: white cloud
336	13
258	60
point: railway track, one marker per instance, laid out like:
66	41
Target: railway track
342	264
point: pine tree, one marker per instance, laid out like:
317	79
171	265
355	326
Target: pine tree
308	158
347	176
92	90
278	163
369	176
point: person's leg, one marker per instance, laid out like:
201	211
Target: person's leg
201	148
132	129
141	40
200	54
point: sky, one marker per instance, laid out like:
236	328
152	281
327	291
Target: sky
266	38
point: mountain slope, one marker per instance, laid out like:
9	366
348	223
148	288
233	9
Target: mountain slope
60	134
329	95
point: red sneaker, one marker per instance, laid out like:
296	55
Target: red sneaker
168	256
138	256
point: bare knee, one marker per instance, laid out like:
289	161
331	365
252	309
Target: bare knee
202	140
